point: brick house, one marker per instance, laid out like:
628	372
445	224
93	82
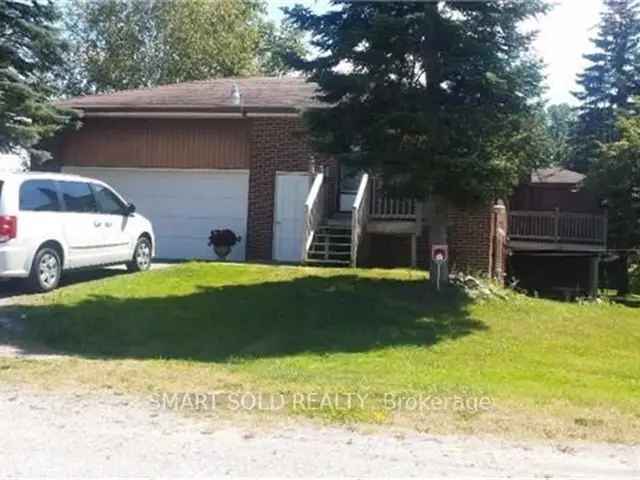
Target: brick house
234	153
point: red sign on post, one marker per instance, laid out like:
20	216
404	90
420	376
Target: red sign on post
439	253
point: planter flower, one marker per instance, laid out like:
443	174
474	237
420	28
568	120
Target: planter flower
223	241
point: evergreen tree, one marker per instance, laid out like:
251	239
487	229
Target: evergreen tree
615	174
30	49
439	98
609	82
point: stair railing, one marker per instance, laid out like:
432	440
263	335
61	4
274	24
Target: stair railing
359	217
314	212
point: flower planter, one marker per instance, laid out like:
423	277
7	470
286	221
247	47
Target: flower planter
222	241
222	251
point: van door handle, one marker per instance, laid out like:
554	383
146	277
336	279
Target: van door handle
97	223
107	224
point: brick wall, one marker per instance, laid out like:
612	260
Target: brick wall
471	238
471	235
276	144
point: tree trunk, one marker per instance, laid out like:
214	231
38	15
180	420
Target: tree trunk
433	78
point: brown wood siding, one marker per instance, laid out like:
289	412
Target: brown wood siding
548	197
157	143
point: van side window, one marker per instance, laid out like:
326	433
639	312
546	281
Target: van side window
108	202
78	197
39	196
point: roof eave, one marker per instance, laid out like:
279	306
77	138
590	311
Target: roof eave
182	111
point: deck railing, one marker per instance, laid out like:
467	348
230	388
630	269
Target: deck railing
384	207
557	227
314	212
359	217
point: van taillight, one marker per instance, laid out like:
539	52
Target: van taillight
8	227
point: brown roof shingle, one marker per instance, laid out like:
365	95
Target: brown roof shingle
257	93
556	175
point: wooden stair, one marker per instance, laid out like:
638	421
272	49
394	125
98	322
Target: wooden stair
331	245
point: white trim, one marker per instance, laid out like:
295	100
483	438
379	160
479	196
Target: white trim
312	198
361	189
315	189
160	169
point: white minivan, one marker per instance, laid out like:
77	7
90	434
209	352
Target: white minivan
52	222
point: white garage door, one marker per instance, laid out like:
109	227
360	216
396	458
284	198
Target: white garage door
183	205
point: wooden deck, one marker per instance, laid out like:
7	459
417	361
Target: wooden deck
557	231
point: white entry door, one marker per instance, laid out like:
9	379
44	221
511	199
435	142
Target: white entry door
291	194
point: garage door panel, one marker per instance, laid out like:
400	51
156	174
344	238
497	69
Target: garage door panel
173	210
184	206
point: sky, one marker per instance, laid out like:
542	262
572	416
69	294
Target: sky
564	37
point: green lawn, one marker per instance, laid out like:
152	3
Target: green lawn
550	368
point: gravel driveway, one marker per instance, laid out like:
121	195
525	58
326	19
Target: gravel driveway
106	435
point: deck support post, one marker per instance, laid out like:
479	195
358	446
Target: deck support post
414	250
594	270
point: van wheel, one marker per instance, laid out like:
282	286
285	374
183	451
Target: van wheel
46	270
141	261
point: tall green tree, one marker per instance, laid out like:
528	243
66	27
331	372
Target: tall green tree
561	121
113	45
440	98
609	82
203	39
30	48
277	44
121	44
615	174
